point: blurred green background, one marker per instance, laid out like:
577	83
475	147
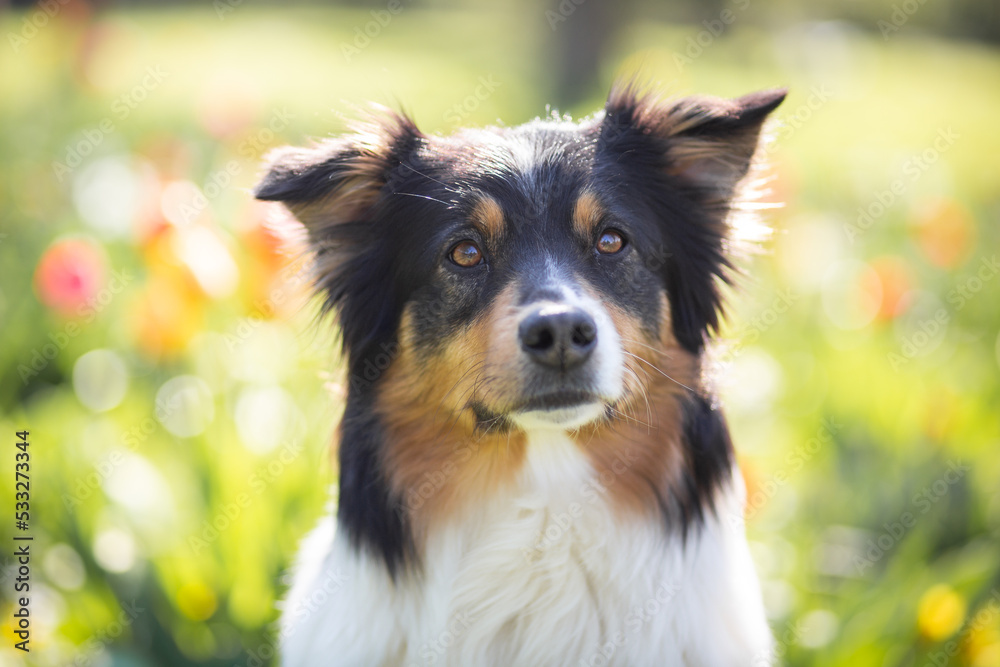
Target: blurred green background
157	345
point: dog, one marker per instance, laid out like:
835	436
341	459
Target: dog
532	467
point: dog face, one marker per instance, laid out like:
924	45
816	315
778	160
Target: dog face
505	281
528	271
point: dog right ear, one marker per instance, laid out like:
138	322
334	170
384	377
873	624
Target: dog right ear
338	181
336	190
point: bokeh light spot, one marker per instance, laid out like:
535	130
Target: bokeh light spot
100	380
852	294
807	247
265	417
64	567
208	259
754	381
819	627
184	405
114	550
106	195
140	488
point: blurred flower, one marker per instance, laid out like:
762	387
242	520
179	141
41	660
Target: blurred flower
69	275
852	294
191	241
944	231
940	612
982	642
196	600
268	242
187	266
896	280
206	256
168	313
275	269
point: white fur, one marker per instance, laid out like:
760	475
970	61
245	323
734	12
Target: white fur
543	574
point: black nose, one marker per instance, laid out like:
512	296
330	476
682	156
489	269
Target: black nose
558	336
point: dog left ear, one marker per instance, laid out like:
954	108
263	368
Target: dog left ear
708	142
713	141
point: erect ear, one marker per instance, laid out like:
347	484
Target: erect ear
334	189
709	142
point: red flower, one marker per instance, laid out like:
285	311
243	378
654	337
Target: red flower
69	275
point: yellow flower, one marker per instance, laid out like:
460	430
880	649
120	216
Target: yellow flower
940	612
196	600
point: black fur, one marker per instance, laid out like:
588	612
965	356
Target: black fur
710	456
374	517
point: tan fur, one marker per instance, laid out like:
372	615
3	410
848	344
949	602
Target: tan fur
642	447
488	217
436	459
587	214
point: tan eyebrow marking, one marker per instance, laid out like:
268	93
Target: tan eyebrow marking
587	214
488	216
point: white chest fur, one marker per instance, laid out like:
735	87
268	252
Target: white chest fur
544	574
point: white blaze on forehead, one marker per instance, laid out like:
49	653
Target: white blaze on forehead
526	153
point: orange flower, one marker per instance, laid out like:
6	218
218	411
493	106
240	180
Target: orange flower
897	281
168	313
276	268
944	230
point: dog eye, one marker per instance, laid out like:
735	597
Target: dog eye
610	242
466	254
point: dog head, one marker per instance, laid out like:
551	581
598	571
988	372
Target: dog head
525	270
504	281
